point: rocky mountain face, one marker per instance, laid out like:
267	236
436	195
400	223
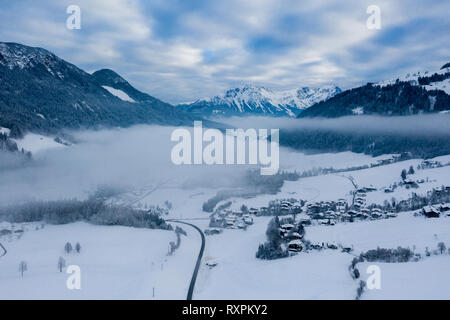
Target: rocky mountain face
251	100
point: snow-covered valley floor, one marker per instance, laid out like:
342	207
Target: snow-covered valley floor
128	263
115	263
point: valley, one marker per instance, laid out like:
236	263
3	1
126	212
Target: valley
119	262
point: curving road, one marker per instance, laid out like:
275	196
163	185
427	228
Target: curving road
199	258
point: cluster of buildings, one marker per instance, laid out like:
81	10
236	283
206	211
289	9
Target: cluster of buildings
9	229
332	212
436	210
229	219
391	159
429	164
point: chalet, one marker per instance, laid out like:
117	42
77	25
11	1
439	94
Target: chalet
295	246
330	214
445	207
286	204
332	246
295	235
241	225
212	231
388	190
211	264
361	195
431	212
248	220
429	164
5	232
361	215
313	208
230	221
287	226
376	213
385	161
305	221
391	214
346	217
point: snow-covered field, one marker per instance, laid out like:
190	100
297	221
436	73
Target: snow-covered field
424	280
324	274
36	143
239	275
115	263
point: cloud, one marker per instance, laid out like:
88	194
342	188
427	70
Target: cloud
184	50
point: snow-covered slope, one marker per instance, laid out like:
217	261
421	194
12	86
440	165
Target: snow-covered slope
261	100
41	92
439	80
35	142
115	262
119	94
411	93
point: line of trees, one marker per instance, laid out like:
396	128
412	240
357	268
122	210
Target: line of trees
92	210
175	245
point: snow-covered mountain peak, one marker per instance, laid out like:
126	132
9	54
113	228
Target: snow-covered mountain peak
13	55
250	99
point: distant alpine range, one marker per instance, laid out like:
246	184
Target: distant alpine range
44	93
254	100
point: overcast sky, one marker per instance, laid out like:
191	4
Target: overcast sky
181	50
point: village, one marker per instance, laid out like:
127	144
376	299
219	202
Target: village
294	214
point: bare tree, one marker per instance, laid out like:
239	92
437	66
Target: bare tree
61	264
23	267
441	247
68	247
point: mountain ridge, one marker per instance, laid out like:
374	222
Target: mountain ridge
44	93
259	100
412	93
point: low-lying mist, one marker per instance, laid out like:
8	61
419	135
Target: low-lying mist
424	124
139	157
121	158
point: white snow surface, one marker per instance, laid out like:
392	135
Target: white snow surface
411	77
5	131
119	94
115	262
37	143
442	85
